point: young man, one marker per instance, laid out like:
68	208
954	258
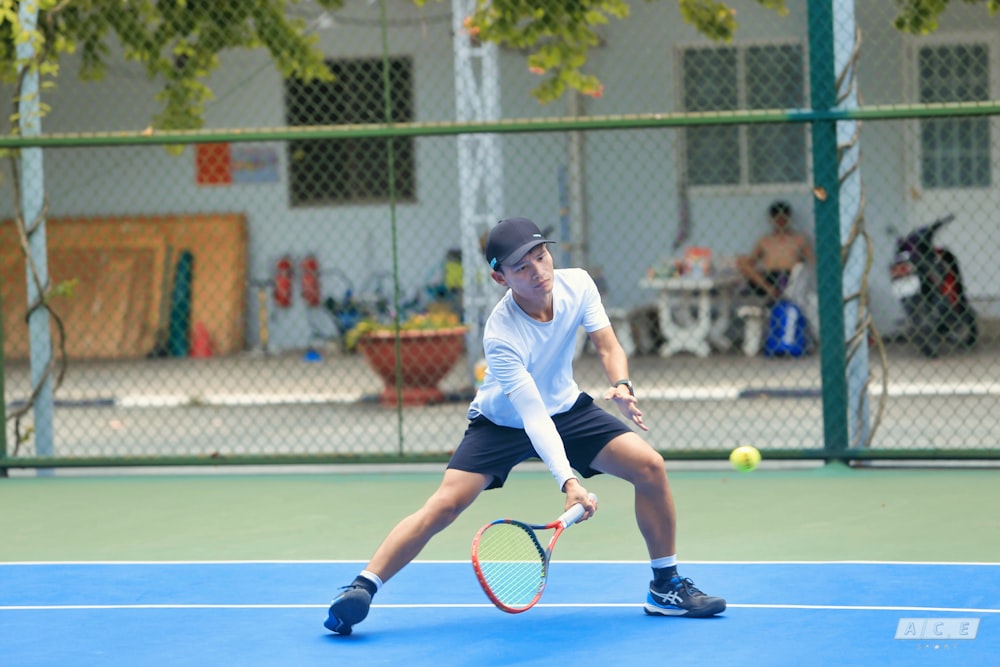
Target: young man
772	259
530	405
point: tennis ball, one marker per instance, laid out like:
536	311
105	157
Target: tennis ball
744	458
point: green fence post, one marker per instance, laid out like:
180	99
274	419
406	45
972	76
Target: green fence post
829	272
3	402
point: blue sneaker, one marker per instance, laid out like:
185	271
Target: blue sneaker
348	609
682	598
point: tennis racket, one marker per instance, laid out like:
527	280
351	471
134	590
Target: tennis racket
511	564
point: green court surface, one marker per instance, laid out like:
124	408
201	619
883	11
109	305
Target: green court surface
816	514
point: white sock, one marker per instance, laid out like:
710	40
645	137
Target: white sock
372	577
666	561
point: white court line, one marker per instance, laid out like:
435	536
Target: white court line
451	561
689	393
483	605
927	389
235	400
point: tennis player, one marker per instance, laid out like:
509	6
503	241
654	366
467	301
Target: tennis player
530	405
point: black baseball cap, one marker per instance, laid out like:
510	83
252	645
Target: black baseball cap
511	239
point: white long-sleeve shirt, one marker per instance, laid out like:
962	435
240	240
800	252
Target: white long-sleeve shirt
529	374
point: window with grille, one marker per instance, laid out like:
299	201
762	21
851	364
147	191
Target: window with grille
954	152
744	77
350	171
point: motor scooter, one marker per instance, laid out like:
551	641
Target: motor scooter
927	281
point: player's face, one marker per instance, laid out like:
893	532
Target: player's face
532	276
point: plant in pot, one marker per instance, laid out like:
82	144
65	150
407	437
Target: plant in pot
429	345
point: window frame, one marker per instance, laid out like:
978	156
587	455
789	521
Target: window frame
744	184
952	40
332	152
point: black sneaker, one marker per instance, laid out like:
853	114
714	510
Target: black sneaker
682	598
348	609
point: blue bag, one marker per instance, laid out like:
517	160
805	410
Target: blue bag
786	331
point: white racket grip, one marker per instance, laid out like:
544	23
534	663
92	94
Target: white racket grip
574	513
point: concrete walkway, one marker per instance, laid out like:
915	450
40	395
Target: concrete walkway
253	379
286	404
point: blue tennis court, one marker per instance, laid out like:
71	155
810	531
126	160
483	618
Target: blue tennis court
433	613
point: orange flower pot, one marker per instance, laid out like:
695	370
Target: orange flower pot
426	356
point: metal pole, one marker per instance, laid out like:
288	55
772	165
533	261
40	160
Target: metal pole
480	171
3	401
851	213
32	199
579	223
829	276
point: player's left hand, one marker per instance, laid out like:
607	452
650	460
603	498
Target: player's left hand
628	404
575	493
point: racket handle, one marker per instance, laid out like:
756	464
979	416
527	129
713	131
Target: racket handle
574	513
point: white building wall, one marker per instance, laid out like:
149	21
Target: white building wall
636	65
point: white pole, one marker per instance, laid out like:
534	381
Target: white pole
851	210
32	200
579	224
480	171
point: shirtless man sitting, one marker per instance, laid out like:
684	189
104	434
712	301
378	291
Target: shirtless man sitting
774	256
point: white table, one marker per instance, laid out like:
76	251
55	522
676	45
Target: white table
712	299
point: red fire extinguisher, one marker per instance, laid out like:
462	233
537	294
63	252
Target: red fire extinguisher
310	281
283	283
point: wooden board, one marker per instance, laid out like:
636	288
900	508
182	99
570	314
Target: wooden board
124	270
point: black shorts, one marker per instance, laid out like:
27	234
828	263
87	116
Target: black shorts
776	279
494	450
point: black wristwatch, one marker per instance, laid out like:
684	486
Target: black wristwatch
628	385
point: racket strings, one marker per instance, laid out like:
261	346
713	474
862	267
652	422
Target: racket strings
512	562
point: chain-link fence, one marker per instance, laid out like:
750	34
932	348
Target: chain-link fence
217	296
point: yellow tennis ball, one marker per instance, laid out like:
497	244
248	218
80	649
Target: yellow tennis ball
745	458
